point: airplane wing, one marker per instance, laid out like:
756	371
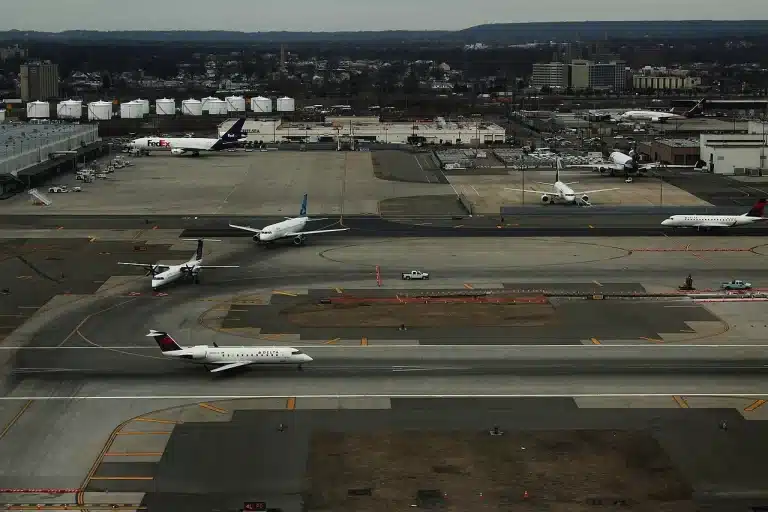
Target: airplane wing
218	266
230	366
245	228
595	191
606	165
316	232
713	225
144	265
533	191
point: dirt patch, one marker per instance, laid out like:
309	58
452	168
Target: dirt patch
418	315
564	470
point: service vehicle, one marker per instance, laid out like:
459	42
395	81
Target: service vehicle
736	284
415	274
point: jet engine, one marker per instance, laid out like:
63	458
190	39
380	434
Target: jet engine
256	238
298	240
177	151
197	352
585	198
546	199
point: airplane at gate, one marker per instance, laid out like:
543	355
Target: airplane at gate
626	164
659	117
192	145
292	227
562	192
228	358
718	221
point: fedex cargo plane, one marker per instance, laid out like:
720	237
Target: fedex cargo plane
191	145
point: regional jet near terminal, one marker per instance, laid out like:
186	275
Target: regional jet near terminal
717	221
292	227
166	274
228	358
191	145
562	192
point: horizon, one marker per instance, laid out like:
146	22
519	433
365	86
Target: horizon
352	15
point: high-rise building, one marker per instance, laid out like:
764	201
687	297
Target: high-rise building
550	74
39	81
586	74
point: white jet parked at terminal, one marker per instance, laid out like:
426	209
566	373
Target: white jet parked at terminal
193	145
163	274
717	221
292	227
622	163
227	358
562	192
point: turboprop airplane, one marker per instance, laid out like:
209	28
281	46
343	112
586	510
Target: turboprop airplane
292	227
163	274
227	358
717	221
192	145
562	192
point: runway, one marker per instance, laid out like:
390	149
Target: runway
519	222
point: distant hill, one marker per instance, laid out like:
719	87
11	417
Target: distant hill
499	33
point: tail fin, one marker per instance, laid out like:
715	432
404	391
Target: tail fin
303	211
696	108
232	135
199	252
558	166
757	209
164	341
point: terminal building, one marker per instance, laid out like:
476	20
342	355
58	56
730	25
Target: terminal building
370	130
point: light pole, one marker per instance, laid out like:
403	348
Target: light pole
522	171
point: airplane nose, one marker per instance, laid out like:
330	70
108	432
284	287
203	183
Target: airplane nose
306	358
665	222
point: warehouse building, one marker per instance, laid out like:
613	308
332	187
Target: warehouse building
736	154
370	129
671	151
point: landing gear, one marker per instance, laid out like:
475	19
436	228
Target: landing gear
300	368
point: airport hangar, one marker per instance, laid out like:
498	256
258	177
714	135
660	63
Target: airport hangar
370	129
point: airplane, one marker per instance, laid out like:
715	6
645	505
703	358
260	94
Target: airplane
659	117
718	221
165	274
563	192
627	164
192	145
228	358
291	227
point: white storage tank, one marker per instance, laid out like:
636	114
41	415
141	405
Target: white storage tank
217	107
38	110
99	111
191	107
235	104
144	106
206	101
286	104
131	110
69	109
165	107
260	104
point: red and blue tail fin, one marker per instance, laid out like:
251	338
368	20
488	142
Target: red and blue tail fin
757	210
164	341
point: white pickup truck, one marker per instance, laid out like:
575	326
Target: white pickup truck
415	274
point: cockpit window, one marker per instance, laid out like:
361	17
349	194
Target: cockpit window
296	351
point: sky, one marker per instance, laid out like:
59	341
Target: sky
340	15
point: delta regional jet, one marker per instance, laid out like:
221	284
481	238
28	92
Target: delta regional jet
708	222
228	358
165	274
292	227
562	192
191	145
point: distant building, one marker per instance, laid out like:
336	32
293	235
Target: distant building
586	74
39	81
738	154
665	82
550	74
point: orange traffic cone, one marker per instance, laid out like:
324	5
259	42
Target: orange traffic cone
525	495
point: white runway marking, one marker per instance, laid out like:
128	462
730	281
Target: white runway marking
236	397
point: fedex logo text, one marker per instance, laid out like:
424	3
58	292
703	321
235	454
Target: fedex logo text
158	143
